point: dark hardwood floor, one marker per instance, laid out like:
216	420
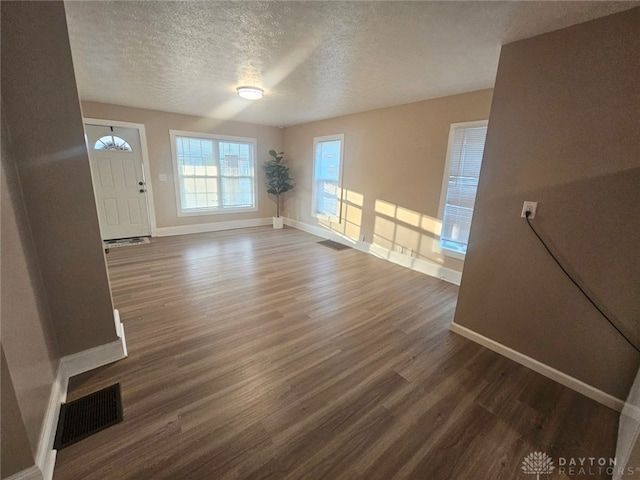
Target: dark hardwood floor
259	354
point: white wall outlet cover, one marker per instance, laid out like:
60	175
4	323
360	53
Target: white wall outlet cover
529	207
162	177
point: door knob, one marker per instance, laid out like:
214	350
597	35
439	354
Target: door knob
142	190
140	183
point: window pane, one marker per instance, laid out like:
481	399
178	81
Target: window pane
328	160
327	177
207	153
326	198
189	185
212	185
212	200
201	161
236	159
246	189
237	192
201	200
194	151
465	161
189	200
112	142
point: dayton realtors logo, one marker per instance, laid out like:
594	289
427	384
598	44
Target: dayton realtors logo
537	463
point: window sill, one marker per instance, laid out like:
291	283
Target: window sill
221	211
453	254
326	218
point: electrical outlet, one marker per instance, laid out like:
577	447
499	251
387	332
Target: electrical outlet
529	207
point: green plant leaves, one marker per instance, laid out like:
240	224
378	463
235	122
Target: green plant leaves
277	156
278	179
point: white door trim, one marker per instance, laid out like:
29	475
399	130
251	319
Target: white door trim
145	162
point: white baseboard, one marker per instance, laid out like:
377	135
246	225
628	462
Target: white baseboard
419	265
32	473
543	369
93	358
120	332
68	367
313	230
212	227
46	455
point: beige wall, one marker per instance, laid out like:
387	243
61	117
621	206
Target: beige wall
157	125
42	111
27	337
394	162
14	444
564	131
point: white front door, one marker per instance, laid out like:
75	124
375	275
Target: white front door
118	181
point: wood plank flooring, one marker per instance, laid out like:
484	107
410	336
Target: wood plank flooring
259	354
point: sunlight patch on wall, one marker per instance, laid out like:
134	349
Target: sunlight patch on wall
408	216
350	226
408	236
384	233
431	225
385	208
354	198
402	230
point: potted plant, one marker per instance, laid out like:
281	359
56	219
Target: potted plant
278	181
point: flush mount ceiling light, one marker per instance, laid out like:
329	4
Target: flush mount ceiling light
250	93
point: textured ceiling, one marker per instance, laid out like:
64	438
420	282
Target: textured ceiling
314	59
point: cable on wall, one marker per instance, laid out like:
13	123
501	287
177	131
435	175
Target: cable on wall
577	284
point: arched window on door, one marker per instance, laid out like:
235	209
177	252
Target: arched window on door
112	142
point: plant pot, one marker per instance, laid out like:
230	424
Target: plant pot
278	222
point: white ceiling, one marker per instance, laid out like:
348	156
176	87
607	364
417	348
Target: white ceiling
315	59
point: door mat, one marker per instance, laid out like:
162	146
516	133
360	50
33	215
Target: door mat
334	245
125	242
88	415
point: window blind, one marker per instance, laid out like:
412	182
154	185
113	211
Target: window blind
465	161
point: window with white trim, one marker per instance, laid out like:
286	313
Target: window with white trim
460	184
213	173
327	176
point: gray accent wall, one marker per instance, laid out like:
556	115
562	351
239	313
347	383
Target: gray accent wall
564	130
28	340
42	110
14	444
53	281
